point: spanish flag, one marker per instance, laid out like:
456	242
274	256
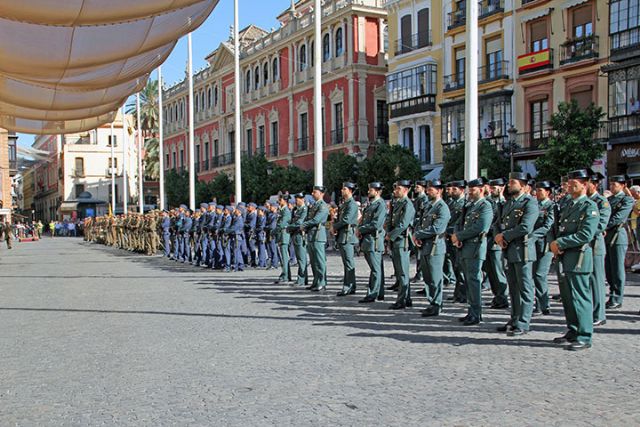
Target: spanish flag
534	60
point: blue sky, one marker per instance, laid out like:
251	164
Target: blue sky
206	38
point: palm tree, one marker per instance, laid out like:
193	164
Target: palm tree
149	126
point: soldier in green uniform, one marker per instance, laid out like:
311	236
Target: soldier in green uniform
597	278
315	228
453	263
344	231
494	263
419	203
471	240
543	235
514	235
299	244
429	237
398	235
283	238
617	240
577	226
371	229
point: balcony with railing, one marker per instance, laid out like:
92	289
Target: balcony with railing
415	105
490	7
273	150
624	44
453	82
302	144
413	42
535	61
625	126
456	19
492	72
576	50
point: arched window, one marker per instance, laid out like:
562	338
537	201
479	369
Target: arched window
209	97
265	73
326	48
215	95
275	72
339	49
196	102
312	53
247	82
303	57
256	77
203	101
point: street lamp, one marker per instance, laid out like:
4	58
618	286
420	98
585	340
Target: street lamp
513	133
269	170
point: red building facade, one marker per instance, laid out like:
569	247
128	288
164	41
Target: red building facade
277	70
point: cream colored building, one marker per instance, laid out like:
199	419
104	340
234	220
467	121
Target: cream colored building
561	46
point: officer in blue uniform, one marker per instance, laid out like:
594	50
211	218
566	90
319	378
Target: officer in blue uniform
293	258
166	233
178	246
225	228
211	229
219	260
616	239
272	247
201	243
236	234
261	236
250	232
187	225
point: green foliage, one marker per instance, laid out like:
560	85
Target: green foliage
388	164
221	188
492	158
573	144
256	184
338	168
177	188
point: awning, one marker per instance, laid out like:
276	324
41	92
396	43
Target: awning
535	15
571	3
433	174
68	206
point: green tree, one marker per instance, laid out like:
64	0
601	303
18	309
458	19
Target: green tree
388	164
490	158
257	185
177	188
338	168
221	188
574	143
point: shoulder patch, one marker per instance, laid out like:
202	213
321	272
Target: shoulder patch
605	204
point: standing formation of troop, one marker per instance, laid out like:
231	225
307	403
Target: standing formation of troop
502	235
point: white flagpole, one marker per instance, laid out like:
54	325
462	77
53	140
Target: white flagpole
125	160
192	171
237	158
140	172
471	94
317	96
113	173
161	138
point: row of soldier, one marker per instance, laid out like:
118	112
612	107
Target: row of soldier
505	234
134	232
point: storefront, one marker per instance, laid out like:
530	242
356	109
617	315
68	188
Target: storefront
624	158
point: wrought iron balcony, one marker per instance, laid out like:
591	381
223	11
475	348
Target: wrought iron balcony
453	82
625	44
413	42
492	72
273	150
406	107
490	7
578	49
624	126
456	19
336	137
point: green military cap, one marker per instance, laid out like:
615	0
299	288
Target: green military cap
547	185
403	183
350	185
497	181
619	178
435	183
519	176
376	185
579	174
478	182
421	183
320	188
460	183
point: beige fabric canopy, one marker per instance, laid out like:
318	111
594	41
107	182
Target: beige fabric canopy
66	66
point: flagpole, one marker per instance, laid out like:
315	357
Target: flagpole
317	96
237	160
113	174
471	94
161	138
125	159
192	171
140	173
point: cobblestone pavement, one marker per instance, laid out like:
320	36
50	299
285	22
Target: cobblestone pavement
96	336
